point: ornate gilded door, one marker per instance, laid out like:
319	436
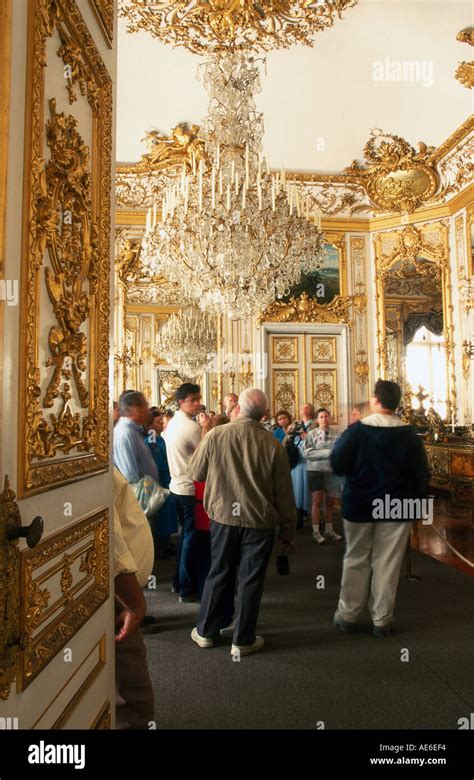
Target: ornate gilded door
306	366
56	610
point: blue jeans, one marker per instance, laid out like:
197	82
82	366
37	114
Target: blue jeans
185	577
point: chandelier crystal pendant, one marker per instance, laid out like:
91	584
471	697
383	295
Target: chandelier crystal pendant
187	341
234	234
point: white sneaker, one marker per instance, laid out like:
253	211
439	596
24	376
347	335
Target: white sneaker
238	650
201	640
333	535
318	538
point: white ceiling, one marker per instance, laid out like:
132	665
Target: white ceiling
320	97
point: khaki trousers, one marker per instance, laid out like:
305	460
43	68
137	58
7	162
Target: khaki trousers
371	567
135	701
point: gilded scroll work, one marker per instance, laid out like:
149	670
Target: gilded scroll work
360	325
285	390
72	250
104	13
394	175
285	349
66	244
324	390
67	579
465	70
141	184
305	309
323	349
397	178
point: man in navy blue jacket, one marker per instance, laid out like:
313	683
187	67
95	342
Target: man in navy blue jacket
387	473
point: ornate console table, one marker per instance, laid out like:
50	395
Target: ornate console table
452	465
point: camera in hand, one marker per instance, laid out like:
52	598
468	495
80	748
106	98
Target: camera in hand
296	429
283	564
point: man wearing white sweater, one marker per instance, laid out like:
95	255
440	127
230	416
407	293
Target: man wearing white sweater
182	436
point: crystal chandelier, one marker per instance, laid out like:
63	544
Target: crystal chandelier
234	234
187	341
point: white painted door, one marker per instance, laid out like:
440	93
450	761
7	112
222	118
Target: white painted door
56	147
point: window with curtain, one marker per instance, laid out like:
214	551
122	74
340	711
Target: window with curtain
426	366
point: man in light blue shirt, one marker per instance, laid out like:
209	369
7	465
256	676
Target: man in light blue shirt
131	455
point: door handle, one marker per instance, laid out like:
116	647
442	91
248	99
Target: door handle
32	532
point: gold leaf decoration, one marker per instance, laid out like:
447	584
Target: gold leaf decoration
395	176
465	70
217	24
67	213
305	309
465	74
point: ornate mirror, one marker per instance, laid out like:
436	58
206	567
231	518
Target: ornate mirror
414	328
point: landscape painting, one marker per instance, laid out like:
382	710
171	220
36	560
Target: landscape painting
322	285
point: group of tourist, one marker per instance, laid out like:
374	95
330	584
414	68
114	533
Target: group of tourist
231	485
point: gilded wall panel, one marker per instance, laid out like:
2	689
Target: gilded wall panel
460	246
63	382
249	365
66	579
285	349
360	339
285	390
146	354
131	357
324	390
323	349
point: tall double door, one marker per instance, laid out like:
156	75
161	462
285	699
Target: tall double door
57	641
308	366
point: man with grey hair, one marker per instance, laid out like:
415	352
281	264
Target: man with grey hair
131	455
248	493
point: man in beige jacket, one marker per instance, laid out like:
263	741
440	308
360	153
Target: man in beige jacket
133	562
248	493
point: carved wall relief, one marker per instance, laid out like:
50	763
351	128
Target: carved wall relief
63	426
